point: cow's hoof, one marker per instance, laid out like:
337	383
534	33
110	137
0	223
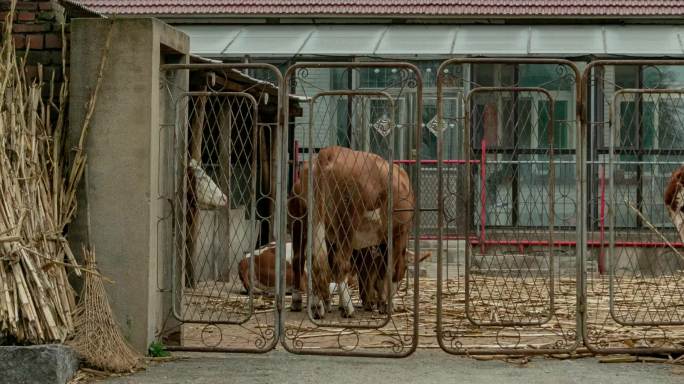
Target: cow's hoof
318	314
383	308
368	307
318	309
346	314
296	305
328	305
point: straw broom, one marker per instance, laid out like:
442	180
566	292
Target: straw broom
98	338
37	200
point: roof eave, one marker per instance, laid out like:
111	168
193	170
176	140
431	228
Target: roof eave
399	16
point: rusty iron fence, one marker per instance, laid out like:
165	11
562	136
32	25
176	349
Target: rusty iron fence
223	195
350	224
633	299
543	204
514	289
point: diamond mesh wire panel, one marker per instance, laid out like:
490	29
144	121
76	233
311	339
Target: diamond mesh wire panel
508	228
351	211
520	288
217	224
634	295
224	281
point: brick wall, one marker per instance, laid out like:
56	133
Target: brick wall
37	25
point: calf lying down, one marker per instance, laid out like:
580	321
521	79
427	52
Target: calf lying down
369	280
265	270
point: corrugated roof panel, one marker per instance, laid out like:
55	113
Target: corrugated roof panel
421	40
333	40
269	40
207	40
491	40
572	39
411	40
644	40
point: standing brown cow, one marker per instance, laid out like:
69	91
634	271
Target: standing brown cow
350	194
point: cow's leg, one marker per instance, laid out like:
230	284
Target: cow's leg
389	290
400	239
296	301
331	255
341	269
362	275
321	276
346	304
298	259
317	307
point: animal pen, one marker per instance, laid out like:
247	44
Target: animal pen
539	201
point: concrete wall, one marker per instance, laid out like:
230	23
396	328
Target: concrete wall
125	146
222	241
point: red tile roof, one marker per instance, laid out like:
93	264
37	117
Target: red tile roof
445	8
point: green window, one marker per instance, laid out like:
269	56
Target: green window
561	137
630	120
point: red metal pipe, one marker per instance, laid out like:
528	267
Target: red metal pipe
558	243
434	162
483	195
602	227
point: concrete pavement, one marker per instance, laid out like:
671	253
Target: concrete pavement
422	367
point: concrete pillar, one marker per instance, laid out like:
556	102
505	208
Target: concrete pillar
128	163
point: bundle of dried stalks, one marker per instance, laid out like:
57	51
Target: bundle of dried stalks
97	337
38	184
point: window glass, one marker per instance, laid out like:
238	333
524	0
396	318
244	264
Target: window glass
451	132
671	122
627	76
551	76
663	76
561	138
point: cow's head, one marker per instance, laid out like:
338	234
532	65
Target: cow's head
207	194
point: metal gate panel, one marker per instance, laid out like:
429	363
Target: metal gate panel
360	107
490	278
634	293
223	199
202	198
507	207
351	208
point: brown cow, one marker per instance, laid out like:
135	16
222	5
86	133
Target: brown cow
674	200
350	193
674	186
368	276
264	269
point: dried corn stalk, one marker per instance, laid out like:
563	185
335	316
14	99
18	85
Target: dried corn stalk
37	200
